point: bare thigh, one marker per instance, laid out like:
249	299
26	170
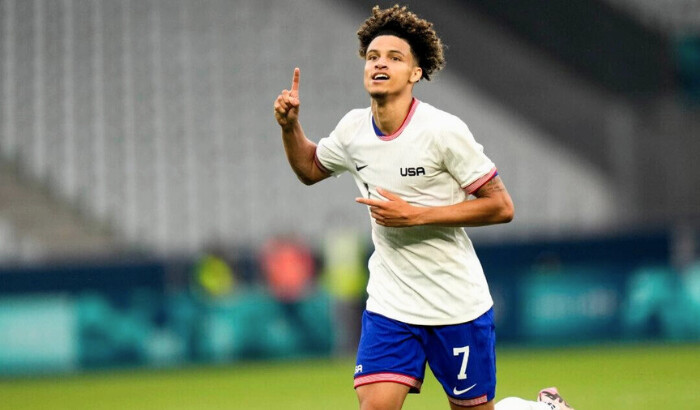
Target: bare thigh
382	396
486	406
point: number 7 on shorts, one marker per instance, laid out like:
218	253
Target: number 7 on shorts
463	369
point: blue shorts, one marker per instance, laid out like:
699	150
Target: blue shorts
462	357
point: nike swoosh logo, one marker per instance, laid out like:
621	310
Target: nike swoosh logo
458	392
360	168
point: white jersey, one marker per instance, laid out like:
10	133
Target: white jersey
423	275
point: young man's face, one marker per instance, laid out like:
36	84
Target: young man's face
390	67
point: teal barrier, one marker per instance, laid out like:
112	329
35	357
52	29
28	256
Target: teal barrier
160	315
583	305
38	334
58	333
571	305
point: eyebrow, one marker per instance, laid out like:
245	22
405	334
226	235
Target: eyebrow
390	51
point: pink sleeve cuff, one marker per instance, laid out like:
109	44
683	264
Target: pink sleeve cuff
474	186
319	165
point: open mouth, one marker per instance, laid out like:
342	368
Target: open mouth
380	77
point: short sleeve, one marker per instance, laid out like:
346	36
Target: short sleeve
331	155
465	160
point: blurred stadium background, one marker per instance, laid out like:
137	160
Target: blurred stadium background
157	252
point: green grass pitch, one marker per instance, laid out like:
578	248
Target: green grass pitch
606	377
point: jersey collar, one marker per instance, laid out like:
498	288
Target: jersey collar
404	124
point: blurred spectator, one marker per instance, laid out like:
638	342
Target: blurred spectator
345	276
288	266
213	276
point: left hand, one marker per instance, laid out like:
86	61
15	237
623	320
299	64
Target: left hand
394	212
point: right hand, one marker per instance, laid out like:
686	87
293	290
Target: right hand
287	104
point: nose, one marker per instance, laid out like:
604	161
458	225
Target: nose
380	63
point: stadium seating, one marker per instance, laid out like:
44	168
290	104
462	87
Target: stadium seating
154	119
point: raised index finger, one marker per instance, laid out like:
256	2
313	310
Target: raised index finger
295	82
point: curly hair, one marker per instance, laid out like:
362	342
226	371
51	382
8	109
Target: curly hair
419	33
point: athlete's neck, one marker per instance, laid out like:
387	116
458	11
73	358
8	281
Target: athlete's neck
390	114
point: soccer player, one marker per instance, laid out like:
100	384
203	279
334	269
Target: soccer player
415	167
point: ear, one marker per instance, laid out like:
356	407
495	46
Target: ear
416	75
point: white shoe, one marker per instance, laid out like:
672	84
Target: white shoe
551	396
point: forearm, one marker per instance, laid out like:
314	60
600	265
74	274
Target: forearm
475	212
491	206
301	154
